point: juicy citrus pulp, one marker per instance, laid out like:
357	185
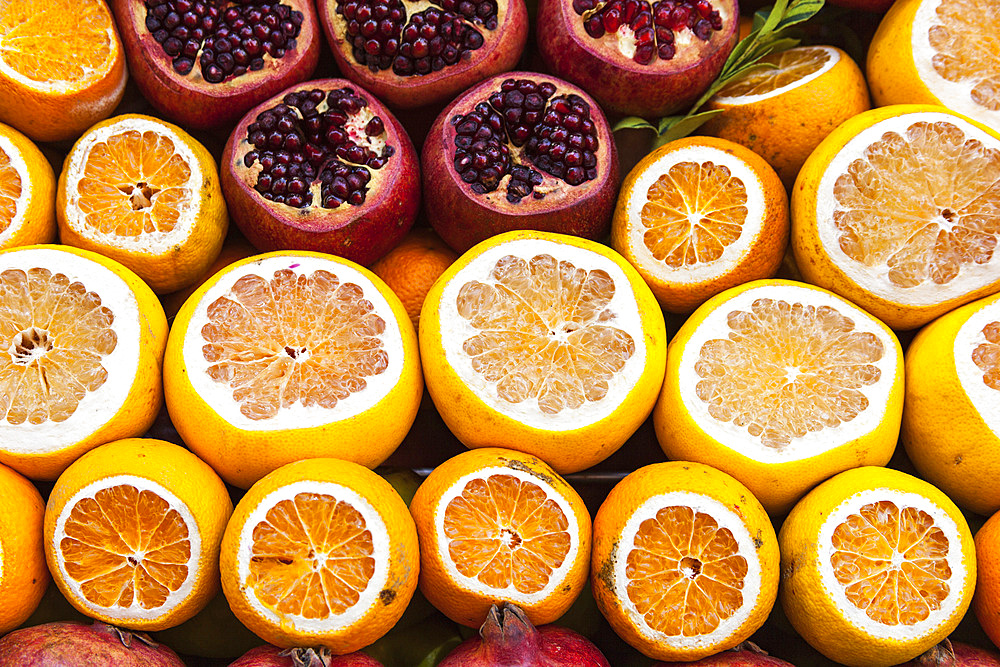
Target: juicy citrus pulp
793	67
13	192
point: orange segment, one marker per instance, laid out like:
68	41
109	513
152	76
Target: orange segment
545	332
789	67
965	38
10	191
294	338
987	355
312	556
506	532
125	547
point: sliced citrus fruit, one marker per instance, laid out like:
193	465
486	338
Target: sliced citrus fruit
147	194
235	248
986	601
289	356
781	384
783	112
899	211
544	343
84	341
699	215
953	378
23	573
62	67
939	52
320	552
132	533
496	525
27	192
877	566
685	561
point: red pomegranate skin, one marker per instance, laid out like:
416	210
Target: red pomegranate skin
71	644
620	84
463	218
270	656
191	101
741	658
500	53
955	654
508	639
358	233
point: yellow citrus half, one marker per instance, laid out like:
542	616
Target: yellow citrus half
27	192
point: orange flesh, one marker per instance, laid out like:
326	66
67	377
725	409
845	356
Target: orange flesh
966	41
10	191
923	204
55	334
987	355
126	547
545	332
505	532
693	212
134	183
55	40
295	338
685	574
790	67
892	563
786	370
312	556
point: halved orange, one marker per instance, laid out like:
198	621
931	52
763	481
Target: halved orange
496	525
320	552
27	192
62	66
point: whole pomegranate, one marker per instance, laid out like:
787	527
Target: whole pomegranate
745	655
323	166
647	58
955	654
272	656
71	644
519	151
203	63
412	53
508	639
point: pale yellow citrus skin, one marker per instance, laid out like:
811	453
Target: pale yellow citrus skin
403	558
623	501
460	603
23	573
777	485
181	265
179	471
945	436
476	424
813	259
243	456
38	223
145	397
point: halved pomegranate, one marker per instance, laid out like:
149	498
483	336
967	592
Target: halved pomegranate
323	166
413	53
519	151
203	63
647	58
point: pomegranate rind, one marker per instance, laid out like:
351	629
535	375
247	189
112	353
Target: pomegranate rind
361	234
501	51
96	645
189	99
620	84
463	218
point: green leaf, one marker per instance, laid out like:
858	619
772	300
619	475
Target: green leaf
799	11
774	17
634	123
685	126
668	122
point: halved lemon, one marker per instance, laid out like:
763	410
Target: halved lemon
290	356
877	566
781	385
27	192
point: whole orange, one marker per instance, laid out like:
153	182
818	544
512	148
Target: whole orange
411	268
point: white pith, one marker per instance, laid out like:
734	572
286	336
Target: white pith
725	518
558	575
734	253
832	60
874	279
97	407
835	590
970	335
18	164
957	95
737	438
455	329
145	242
135	611
219	395
381	553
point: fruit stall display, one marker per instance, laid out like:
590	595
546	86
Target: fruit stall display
402	333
